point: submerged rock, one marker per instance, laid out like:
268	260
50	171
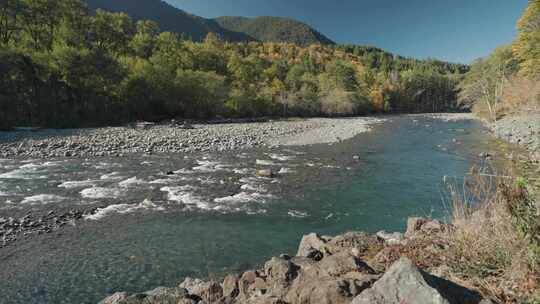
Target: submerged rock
265	173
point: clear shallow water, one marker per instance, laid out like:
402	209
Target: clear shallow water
213	215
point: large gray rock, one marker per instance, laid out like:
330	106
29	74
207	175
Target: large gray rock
405	283
114	298
402	283
310	245
210	291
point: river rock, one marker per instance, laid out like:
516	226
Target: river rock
230	286
402	283
395	238
265	173
114	298
311	245
210	291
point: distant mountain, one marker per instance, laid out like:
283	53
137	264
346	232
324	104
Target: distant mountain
172	19
274	29
168	17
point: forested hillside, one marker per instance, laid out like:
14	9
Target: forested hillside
64	67
274	29
169	18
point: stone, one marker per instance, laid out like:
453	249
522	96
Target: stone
115	298
358	242
265	173
432	226
208	291
341	263
395	238
414	224
310	243
230	286
316	290
402	283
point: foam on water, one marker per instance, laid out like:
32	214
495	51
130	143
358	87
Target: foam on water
244	197
242	171
123	209
263	162
280	157
22	173
209	166
285	171
42	199
253	187
106	165
131	182
296	213
77	184
184	171
39	165
163	181
100	192
112	175
184	195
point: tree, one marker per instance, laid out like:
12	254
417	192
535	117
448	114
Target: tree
144	41
10	10
483	85
112	32
527	46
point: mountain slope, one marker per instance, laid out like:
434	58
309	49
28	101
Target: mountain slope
172	19
168	17
274	29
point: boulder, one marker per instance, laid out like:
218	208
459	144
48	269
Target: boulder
414	224
230	286
362	244
402	283
114	298
341	263
311	245
395	238
160	295
210	291
307	289
265	173
405	283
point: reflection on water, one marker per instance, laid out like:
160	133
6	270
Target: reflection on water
164	217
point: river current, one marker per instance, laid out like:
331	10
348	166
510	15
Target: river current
165	217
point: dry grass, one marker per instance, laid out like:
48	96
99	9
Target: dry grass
520	95
516	95
494	244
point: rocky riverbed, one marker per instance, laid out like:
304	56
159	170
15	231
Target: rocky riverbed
522	129
33	224
173	138
353	268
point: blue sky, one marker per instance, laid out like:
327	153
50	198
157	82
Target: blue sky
453	30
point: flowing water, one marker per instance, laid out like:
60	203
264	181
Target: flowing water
211	215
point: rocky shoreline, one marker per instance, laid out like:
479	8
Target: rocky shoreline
179	138
351	268
521	129
12	229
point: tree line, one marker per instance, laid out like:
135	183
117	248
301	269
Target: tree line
62	66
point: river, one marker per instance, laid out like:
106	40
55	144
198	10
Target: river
164	217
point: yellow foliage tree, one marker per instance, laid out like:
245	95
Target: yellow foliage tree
527	46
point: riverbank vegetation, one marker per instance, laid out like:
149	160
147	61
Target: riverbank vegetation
64	67
496	240
508	80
